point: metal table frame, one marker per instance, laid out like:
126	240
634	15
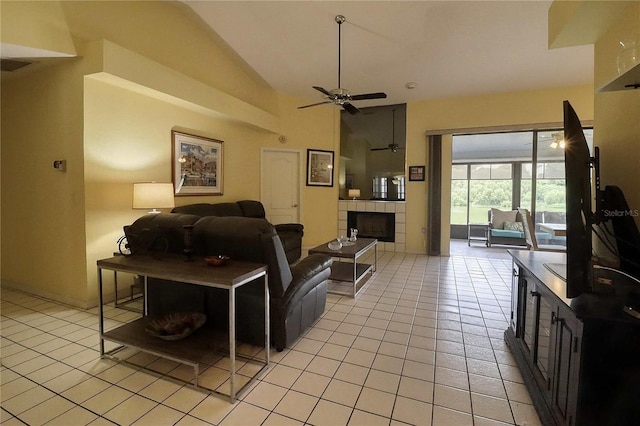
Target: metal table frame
353	273
176	269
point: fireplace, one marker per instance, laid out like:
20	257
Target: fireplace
381	226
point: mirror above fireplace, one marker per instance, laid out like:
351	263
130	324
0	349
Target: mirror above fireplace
372	153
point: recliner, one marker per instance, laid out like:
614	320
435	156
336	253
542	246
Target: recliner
297	293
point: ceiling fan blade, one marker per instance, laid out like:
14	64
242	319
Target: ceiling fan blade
320	89
378	149
350	108
377	95
318	103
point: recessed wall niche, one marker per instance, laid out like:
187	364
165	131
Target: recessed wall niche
372	153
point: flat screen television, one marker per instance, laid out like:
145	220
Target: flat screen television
580	217
611	206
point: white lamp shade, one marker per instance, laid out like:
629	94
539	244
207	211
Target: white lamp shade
354	193
153	195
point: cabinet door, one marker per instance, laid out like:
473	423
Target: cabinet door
529	319
515	300
545	318
566	362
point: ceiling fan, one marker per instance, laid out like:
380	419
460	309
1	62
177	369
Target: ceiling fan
393	146
342	97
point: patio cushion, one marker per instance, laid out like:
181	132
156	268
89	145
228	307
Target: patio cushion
499	217
507	233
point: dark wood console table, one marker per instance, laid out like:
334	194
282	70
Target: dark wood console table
580	358
198	346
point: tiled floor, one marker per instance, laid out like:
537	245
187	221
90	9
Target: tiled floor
422	344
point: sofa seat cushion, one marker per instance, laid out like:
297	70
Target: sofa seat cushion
506	233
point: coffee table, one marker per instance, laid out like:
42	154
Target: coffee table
353	273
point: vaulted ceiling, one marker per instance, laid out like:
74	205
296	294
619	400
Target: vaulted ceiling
447	48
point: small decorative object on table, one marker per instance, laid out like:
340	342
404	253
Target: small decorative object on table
219	260
175	326
335	245
354	234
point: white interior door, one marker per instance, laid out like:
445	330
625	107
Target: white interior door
281	185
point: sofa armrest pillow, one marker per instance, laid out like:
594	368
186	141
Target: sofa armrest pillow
513	226
499	217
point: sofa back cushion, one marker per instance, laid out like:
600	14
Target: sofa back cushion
499	217
166	226
248	239
208	209
252	208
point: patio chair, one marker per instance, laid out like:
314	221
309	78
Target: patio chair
530	235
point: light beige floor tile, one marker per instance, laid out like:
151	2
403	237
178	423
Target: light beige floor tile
75	416
388	364
376	402
487	386
282	375
360	357
15	387
137	381
296	405
446	417
245	414
276	419
85	390
212	409
130	410
185	399
107	399
323	366
311	384
362	418
381	380
453	398
420	390
491	407
27	399
296	359
525	414
352	373
266	395
46	410
412	412
342	392
160	415
330	413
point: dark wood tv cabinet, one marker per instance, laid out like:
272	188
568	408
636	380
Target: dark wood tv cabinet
579	358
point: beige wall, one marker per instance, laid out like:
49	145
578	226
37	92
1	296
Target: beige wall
494	110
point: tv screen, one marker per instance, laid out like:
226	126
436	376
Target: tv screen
577	160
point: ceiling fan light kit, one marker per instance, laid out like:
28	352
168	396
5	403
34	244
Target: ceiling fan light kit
340	96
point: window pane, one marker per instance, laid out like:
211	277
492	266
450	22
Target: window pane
501	171
459	171
480	171
525	170
459	202
485	194
554	171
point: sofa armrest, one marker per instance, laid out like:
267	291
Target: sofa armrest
289	227
308	273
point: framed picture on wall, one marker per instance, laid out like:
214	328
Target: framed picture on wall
416	173
319	167
197	164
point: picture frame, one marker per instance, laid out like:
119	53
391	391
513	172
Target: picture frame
197	166
319	167
416	173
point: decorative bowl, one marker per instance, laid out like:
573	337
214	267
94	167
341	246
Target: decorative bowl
219	260
334	245
175	326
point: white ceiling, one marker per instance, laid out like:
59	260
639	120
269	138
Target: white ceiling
449	48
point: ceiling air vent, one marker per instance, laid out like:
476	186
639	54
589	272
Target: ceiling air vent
13	64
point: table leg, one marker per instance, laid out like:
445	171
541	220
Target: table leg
101	310
232	344
267	319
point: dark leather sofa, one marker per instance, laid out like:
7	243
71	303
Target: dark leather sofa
290	233
297	293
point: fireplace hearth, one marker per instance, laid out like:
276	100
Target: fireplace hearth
381	226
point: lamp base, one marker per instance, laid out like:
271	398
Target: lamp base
154	211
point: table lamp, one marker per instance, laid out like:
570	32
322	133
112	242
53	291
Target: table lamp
153	195
354	193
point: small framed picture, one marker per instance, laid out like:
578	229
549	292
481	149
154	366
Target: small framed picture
416	173
196	165
319	168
